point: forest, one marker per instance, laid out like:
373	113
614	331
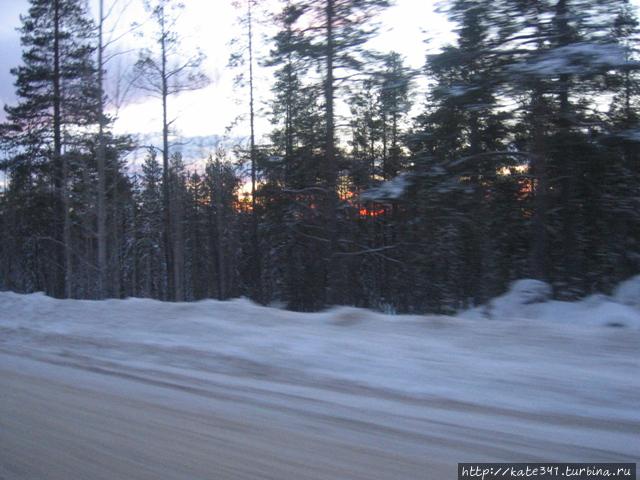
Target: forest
520	160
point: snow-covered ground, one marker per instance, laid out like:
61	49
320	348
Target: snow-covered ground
550	356
530	300
574	365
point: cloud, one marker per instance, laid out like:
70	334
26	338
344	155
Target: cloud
210	26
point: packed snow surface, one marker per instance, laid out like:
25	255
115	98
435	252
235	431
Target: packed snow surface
530	300
141	389
521	352
628	292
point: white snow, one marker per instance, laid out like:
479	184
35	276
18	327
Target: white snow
388	190
576	58
550	357
529	300
527	291
628	292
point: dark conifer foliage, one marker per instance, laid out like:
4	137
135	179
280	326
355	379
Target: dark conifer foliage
46	145
522	160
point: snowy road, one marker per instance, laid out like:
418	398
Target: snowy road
115	428
61	422
144	390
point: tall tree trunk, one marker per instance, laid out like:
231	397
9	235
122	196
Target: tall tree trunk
289	124
257	271
385	147
571	168
221	264
333	273
538	261
539	243
101	160
62	286
68	262
178	239
116	241
134	250
166	192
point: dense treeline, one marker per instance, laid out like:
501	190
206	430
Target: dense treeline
522	161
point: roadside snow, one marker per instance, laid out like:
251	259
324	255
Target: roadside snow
628	292
550	357
530	300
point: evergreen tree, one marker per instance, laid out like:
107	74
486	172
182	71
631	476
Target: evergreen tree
378	111
150	226
394	107
290	192
164	71
57	101
460	144
246	55
221	186
335	42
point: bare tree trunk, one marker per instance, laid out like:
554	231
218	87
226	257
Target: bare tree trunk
101	160
257	273
134	260
571	169
63	287
178	241
166	192
222	277
88	274
68	277
538	257
539	246
116	261
331	166
385	149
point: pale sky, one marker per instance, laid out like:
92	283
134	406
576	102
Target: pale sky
210	25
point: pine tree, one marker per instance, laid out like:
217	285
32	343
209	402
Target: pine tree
394	107
550	61
221	184
57	100
564	78
178	189
245	55
378	108
196	238
460	144
335	42
152	268
619	180
292	173
164	71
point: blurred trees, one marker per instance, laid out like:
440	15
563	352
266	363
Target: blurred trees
164	71
47	144
521	160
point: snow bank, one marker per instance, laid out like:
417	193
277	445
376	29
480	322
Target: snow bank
389	190
530	300
580	58
628	292
560	363
521	293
